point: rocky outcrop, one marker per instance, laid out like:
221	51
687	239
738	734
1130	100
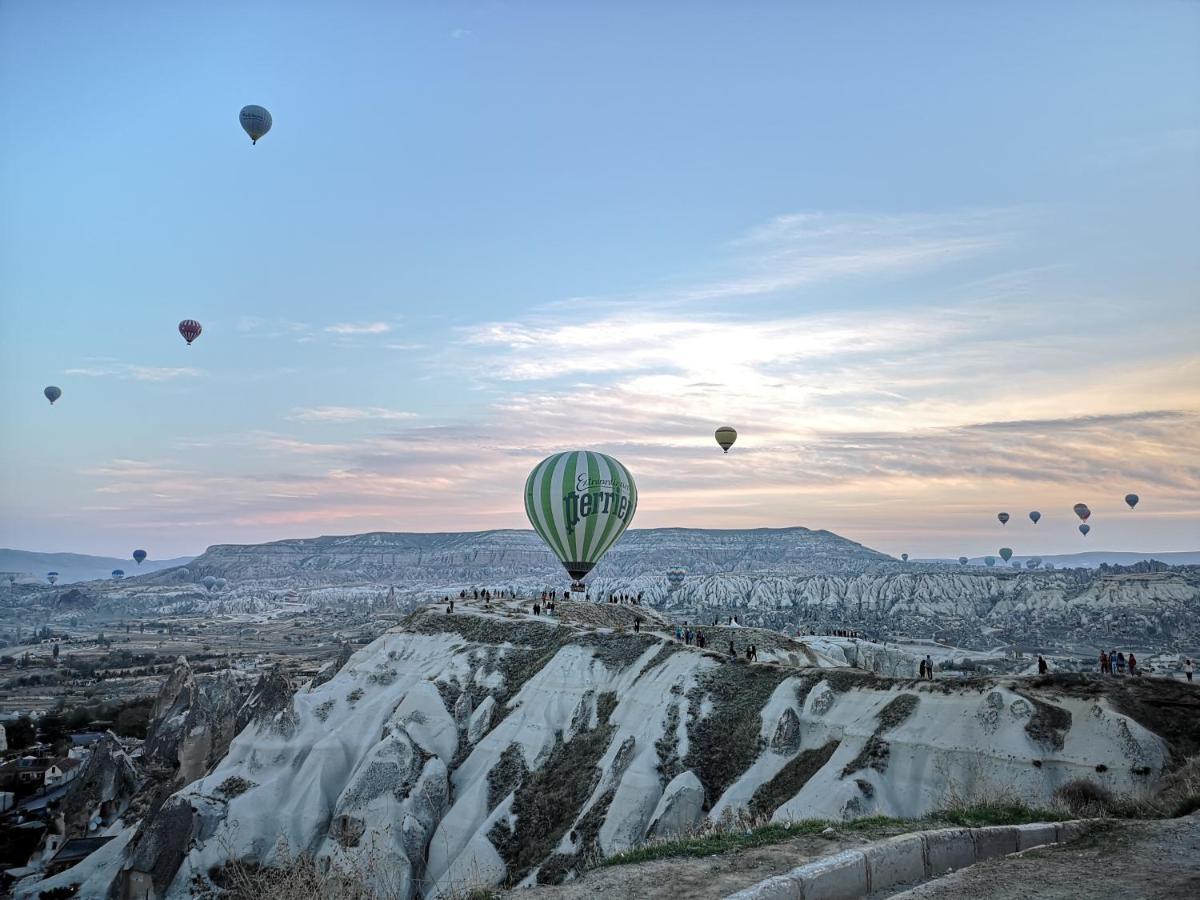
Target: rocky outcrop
192	722
101	791
487	746
680	807
345	651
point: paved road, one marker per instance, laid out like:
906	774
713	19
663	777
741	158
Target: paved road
1157	860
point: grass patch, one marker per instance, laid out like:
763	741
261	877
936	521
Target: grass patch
789	780
725	743
873	755
548	800
1000	813
740	838
898	710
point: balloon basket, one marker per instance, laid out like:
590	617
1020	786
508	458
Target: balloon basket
577	587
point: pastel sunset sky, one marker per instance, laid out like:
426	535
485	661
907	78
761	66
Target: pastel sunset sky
933	260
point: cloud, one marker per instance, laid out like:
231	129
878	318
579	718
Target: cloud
364	328
460	33
137	373
339	414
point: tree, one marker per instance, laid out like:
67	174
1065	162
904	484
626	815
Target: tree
132	721
54	653
53	727
21	733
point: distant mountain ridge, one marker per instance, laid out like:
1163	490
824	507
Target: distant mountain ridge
73	567
458	557
1092	559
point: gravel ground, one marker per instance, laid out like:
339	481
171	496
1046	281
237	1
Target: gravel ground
1143	860
703	878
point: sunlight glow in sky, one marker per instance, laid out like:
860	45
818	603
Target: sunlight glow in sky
933	260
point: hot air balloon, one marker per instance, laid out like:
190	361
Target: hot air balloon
52	393
1006	553
1003	517
675	577
989	561
118	574
1031	563
208	581
255	120
220	584
190	329
580	502
1048	566
1081	510
725	437
1034	516
904	556
139	556
52	577
1131	499
1084	528
962	560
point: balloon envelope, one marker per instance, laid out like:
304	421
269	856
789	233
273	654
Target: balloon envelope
220	584
989	560
1006	553
52	577
1131	499
675	576
208	581
1081	510
962	560
580	502
118	574
904	556
1003	517
1034	516
256	121
190	329
52	393
139	556
725	437
1084	528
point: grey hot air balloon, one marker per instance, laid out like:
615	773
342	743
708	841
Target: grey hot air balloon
1006	553
1084	528
118	574
52	393
209	581
256	121
1003	517
904	556
139	556
1081	510
1132	500
52	577
1034	516
675	576
1032	563
989	561
220	584
725	437
962	560
1048	566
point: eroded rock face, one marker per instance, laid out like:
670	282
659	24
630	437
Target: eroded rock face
192	722
101	791
680	807
606	740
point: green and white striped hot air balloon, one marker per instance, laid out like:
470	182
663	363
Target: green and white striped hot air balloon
580	502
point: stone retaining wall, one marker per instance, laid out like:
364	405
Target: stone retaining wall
907	859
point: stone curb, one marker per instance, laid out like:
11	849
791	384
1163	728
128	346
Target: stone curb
908	859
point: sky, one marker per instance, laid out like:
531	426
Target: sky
932	260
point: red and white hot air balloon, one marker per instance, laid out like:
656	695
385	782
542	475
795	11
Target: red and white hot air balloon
190	329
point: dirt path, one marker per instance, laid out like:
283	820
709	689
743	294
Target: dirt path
704	878
1146	860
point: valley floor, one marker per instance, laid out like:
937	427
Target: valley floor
1153	860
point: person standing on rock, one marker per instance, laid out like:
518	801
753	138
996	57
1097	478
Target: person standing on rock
929	666
1103	663
1132	664
1121	663
637	624
1042	667
732	652
1188	669
678	633
922	670
537	609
